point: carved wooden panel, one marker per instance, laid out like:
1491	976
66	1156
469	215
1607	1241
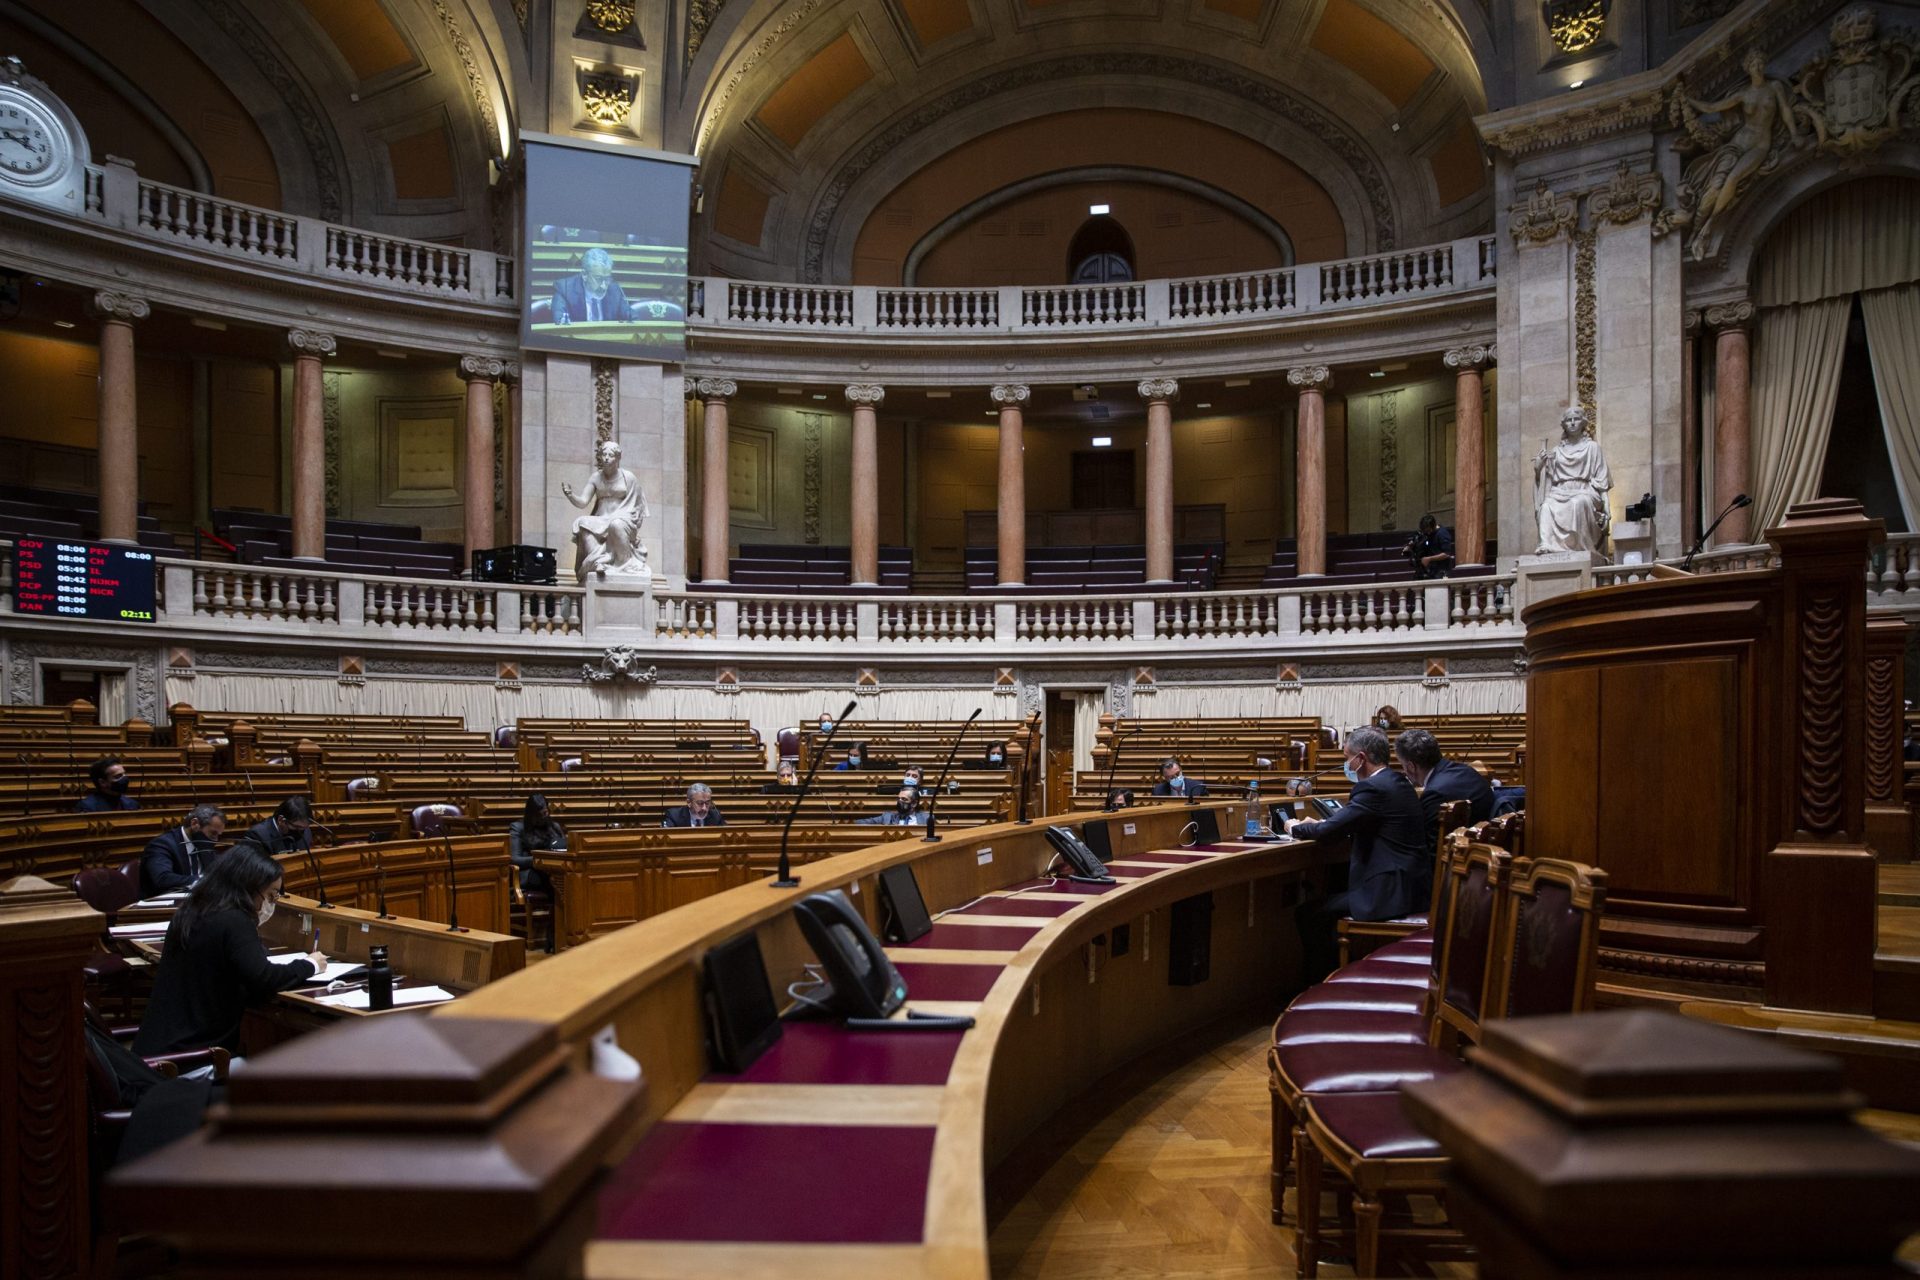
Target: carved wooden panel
420	446
43	1137
750	476
1823	688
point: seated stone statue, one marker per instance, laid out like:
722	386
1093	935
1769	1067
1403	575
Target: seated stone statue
1570	484
607	539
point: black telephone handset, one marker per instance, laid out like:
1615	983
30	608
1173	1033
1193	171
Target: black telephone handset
862	984
1323	807
1086	864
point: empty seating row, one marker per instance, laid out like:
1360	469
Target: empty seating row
266	538
1099	569
803	568
50	513
1356	558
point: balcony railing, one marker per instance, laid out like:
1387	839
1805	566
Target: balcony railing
1431	272
1892	571
365	261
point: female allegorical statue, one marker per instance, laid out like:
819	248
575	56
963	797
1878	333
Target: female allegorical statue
1570	484
607	539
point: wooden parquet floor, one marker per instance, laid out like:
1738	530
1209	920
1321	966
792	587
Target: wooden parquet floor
1168	1180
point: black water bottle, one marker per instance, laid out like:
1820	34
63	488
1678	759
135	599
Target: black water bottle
379	980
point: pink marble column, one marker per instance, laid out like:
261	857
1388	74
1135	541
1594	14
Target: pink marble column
1010	398
1310	469
1732	419
119	448
1469	453
715	530
1159	393
480	372
865	397
309	443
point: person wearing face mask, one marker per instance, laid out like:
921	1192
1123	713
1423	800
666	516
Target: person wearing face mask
912	776
856	754
179	856
1174	782
214	964
1390	851
1440	780
996	756
535	832
286	829
109	794
826	721
906	812
698	811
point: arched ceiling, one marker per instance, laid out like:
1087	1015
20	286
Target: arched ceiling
381	113
834	133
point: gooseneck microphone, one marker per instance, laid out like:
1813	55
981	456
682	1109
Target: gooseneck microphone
453	882
786	879
941	785
1113	762
1740	500
380	886
313	863
1026	765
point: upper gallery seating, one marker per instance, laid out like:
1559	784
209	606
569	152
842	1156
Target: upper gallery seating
1356	558
263	538
1096	570
764	566
26	512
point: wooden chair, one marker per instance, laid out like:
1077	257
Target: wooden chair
1373	1037
1453	814
1547	942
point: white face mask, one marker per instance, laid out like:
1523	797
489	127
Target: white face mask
266	911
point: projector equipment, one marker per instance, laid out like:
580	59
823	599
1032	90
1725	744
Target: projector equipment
1643	509
535	565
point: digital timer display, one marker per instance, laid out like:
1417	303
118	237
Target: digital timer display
57	578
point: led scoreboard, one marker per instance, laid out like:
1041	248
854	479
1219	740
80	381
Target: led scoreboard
82	580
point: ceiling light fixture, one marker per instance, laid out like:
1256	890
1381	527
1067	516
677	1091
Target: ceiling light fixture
1576	84
63	324
820	396
1237	382
939	395
1204	404
1377	373
1097	209
1103	442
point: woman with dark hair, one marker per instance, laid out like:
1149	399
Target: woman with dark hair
214	965
535	831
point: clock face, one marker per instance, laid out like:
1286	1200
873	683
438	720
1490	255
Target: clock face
26	144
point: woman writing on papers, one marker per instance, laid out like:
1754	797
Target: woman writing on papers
214	965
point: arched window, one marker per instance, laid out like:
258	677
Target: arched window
1101	252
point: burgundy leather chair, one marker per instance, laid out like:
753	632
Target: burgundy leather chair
787	741
430	820
110	890
1545	949
506	736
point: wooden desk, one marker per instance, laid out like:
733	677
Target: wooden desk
416	878
1058	1005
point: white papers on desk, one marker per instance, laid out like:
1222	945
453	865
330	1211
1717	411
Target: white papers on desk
146	929
357	999
159	902
336	970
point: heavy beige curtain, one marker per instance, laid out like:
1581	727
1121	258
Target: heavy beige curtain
1893	342
1853	239
1796	377
1086	727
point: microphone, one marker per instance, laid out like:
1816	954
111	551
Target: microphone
938	787
1113	761
380	885
612	799
26	775
1026	764
313	863
1740	500
786	879
453	883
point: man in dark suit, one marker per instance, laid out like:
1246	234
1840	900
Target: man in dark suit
592	295
906	812
1441	780
698	811
1390	850
109	794
1173	782
287	828
175	858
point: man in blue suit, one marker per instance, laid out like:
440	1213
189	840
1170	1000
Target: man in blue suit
593	294
178	856
1390	851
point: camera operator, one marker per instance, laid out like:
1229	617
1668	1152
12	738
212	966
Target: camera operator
1430	550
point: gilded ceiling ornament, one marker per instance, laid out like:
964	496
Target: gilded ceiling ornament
1543	217
700	16
611	15
1626	198
1856	93
607	96
1575	25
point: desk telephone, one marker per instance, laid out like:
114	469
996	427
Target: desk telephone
861	981
1085	863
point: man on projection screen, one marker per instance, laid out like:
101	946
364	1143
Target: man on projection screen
591	295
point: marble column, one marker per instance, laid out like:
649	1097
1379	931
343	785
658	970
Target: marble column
865	397
1310	448
480	373
1732	419
119	449
715	534
1010	398
309	443
1159	393
1469	453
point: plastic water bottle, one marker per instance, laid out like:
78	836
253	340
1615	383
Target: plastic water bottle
379	979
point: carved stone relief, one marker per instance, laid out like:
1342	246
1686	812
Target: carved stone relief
604	374
330	427
1542	217
812	475
1586	376
1386	415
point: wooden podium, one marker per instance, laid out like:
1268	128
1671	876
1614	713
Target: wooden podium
1705	740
